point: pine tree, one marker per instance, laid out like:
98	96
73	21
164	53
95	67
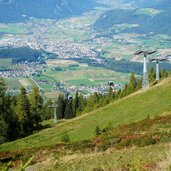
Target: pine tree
68	114
3	123
36	107
110	94
151	75
76	103
132	85
81	104
118	94
125	91
139	84
23	112
60	107
9	122
3	89
163	74
3	130
13	124
106	101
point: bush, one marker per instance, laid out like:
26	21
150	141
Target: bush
65	137
82	146
143	141
107	128
123	144
97	130
114	141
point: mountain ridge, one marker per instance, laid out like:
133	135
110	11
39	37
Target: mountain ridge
21	10
159	23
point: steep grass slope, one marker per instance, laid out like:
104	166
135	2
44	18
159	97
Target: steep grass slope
153	102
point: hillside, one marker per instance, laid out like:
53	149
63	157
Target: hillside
146	19
21	10
153	102
139	122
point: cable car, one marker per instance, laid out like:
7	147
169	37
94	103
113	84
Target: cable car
69	97
110	83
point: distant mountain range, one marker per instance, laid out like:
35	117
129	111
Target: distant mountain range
21	10
141	3
158	23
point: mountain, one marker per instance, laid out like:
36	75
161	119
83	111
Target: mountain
138	125
164	5
21	10
141	3
158	22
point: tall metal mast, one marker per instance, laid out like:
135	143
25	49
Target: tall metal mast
145	81
157	60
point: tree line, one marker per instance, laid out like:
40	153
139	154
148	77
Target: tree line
22	114
122	65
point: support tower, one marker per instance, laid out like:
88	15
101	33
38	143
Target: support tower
145	80
157	60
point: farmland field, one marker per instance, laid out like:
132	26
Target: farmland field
89	76
5	62
16	83
14	30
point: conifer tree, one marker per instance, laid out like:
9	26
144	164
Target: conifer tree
110	94
151	75
68	114
60	107
76	103
3	124
13	124
3	89
81	104
9	122
36	107
3	130
139	84
23	112
163	74
132	83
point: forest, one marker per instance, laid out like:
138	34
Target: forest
21	54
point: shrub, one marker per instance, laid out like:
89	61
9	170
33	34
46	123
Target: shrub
65	137
114	141
143	141
107	128
97	130
82	146
123	144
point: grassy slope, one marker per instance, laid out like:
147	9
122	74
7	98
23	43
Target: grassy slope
138	159
153	102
